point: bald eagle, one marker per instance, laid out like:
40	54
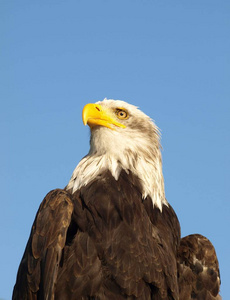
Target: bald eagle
110	233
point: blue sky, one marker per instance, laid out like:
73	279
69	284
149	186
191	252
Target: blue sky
170	58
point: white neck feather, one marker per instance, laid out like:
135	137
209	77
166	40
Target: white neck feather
109	151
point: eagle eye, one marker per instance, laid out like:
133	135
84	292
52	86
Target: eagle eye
122	114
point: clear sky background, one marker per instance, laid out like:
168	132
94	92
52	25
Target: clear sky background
170	58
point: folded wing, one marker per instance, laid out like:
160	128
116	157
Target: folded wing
198	269
38	270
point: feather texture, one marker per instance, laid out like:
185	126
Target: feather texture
112	249
198	269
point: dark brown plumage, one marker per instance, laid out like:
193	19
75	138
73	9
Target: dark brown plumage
105	240
111	250
198	269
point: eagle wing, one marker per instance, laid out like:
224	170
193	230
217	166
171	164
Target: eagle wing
37	272
198	269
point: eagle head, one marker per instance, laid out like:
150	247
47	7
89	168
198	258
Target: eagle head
122	138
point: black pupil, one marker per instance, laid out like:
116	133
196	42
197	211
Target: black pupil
122	113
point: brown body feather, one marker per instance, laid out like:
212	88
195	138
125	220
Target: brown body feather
101	242
198	269
105	242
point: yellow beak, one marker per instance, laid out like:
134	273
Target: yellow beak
94	115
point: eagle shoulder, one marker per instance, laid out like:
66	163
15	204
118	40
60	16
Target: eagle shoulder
198	269
39	265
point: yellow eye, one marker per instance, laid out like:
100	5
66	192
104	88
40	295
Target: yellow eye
122	114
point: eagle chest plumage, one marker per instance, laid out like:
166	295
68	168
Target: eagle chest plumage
116	251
